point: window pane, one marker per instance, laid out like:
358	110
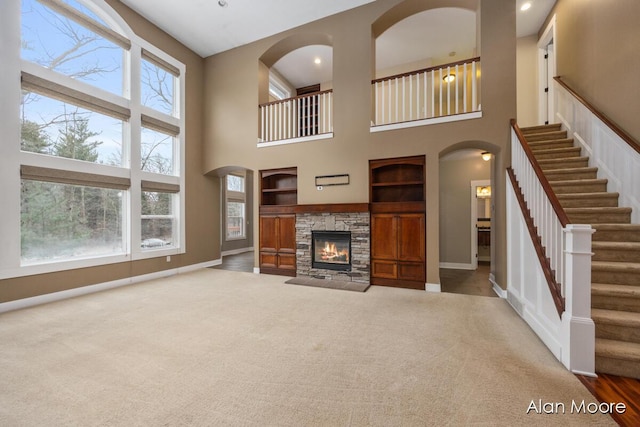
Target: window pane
157	88
59	129
62	222
157	152
235	220
157	220
235	183
60	44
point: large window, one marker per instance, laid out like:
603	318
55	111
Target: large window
100	140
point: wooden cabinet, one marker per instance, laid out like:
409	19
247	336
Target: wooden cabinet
398	250
278	244
278	197
398	222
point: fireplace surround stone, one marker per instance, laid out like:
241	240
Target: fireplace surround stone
358	223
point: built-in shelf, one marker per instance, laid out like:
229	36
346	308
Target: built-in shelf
397	205
279	187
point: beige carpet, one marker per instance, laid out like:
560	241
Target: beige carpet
227	348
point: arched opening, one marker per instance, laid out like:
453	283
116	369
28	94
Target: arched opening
427	63
296	89
466	175
236	218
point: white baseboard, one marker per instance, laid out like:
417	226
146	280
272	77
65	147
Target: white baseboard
99	287
502	293
456	266
256	270
432	287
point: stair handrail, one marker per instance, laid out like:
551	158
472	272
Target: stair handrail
553	199
633	143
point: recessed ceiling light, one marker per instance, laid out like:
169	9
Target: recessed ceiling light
317	61
525	6
223	3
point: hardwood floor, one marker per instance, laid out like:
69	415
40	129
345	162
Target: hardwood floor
239	262
468	282
610	388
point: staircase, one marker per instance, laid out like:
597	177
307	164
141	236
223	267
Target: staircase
615	268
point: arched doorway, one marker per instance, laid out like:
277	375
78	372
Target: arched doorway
466	217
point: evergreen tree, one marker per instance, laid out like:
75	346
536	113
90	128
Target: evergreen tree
73	142
33	138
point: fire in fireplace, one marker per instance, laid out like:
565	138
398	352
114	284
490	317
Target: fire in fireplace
331	250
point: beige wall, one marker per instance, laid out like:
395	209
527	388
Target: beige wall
202	193
527	72
231	119
597	55
455	206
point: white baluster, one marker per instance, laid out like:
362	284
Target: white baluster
474	89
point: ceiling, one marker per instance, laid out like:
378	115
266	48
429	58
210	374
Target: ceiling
207	28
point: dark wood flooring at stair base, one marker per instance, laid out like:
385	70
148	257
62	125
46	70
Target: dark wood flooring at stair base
613	389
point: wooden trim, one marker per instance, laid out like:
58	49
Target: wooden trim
277	209
281	101
545	263
426	70
332	208
555	203
614	127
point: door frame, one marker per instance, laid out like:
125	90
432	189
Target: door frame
547	48
474	220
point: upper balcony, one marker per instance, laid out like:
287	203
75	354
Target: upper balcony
449	92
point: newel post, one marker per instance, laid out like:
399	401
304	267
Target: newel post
578	329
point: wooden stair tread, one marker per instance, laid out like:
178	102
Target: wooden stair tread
618	349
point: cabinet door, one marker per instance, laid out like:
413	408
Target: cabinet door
384	237
411	237
411	271
384	269
268	233
287	234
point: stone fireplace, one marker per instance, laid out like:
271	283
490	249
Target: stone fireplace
348	260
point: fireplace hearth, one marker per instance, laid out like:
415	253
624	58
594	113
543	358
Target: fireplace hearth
331	250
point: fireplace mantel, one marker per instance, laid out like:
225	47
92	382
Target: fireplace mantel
332	208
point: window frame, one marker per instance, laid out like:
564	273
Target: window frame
235	197
12	159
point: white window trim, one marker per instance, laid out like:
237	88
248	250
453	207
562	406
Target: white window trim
11	157
238	197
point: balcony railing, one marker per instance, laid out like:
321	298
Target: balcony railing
430	93
305	116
